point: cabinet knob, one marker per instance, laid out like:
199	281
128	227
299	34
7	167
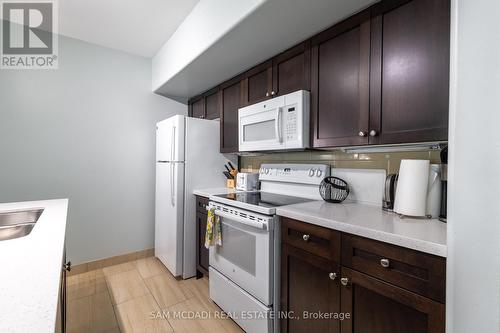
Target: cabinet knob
362	134
305	237
273	93
373	133
344	281
332	276
385	263
267	94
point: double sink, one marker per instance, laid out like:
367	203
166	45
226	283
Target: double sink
18	223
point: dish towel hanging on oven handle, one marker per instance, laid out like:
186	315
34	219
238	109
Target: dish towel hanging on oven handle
213	235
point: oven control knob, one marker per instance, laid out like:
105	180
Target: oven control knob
266	171
311	172
319	173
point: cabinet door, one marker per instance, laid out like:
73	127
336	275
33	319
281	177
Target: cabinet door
307	287
340	83
230	103
198	108
258	83
292	70
202	255
379	307
410	71
212	109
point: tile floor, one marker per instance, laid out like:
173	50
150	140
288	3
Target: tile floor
141	296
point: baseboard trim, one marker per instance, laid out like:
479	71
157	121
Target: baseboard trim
101	263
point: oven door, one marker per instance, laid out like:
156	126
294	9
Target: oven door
260	126
246	256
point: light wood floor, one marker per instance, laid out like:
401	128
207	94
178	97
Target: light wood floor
141	296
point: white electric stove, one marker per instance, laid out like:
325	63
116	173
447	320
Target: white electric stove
243	269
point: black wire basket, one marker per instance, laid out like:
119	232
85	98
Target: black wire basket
333	189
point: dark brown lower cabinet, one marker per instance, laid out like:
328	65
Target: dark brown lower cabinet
201	226
356	295
309	287
379	307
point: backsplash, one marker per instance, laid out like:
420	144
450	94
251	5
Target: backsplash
339	159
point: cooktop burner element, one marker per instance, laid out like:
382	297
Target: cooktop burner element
263	199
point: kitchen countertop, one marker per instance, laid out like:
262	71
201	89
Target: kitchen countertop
213	191
372	222
31	270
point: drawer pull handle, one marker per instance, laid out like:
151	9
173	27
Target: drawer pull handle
385	263
344	281
332	276
305	238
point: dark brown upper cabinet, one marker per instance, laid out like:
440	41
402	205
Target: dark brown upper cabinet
379	307
230	102
378	77
287	72
197	107
292	70
410	57
340	78
212	102
257	84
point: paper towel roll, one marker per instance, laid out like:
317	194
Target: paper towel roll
411	193
434	191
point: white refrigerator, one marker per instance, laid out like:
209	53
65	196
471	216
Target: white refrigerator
187	158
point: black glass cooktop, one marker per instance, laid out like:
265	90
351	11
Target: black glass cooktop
263	199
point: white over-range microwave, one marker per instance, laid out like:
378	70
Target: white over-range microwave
281	123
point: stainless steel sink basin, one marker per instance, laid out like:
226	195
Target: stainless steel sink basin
16	231
19	223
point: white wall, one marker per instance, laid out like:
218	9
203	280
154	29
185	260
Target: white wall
473	273
85	132
208	22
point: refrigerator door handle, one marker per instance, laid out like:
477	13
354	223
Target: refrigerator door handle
172	176
172	142
172	185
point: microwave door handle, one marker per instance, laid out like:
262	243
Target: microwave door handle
277	126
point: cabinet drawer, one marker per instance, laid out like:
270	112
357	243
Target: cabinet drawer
419	272
320	241
201	204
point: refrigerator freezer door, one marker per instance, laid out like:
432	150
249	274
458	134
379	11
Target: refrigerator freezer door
169	219
170	139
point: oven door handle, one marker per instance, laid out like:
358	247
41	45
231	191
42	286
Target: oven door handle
253	224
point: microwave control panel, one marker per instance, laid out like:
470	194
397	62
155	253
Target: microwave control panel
290	121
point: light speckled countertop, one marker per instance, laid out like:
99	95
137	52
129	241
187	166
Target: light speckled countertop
372	222
31	270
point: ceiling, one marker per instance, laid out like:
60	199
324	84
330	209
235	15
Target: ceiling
139	27
271	28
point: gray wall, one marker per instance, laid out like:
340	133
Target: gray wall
85	132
